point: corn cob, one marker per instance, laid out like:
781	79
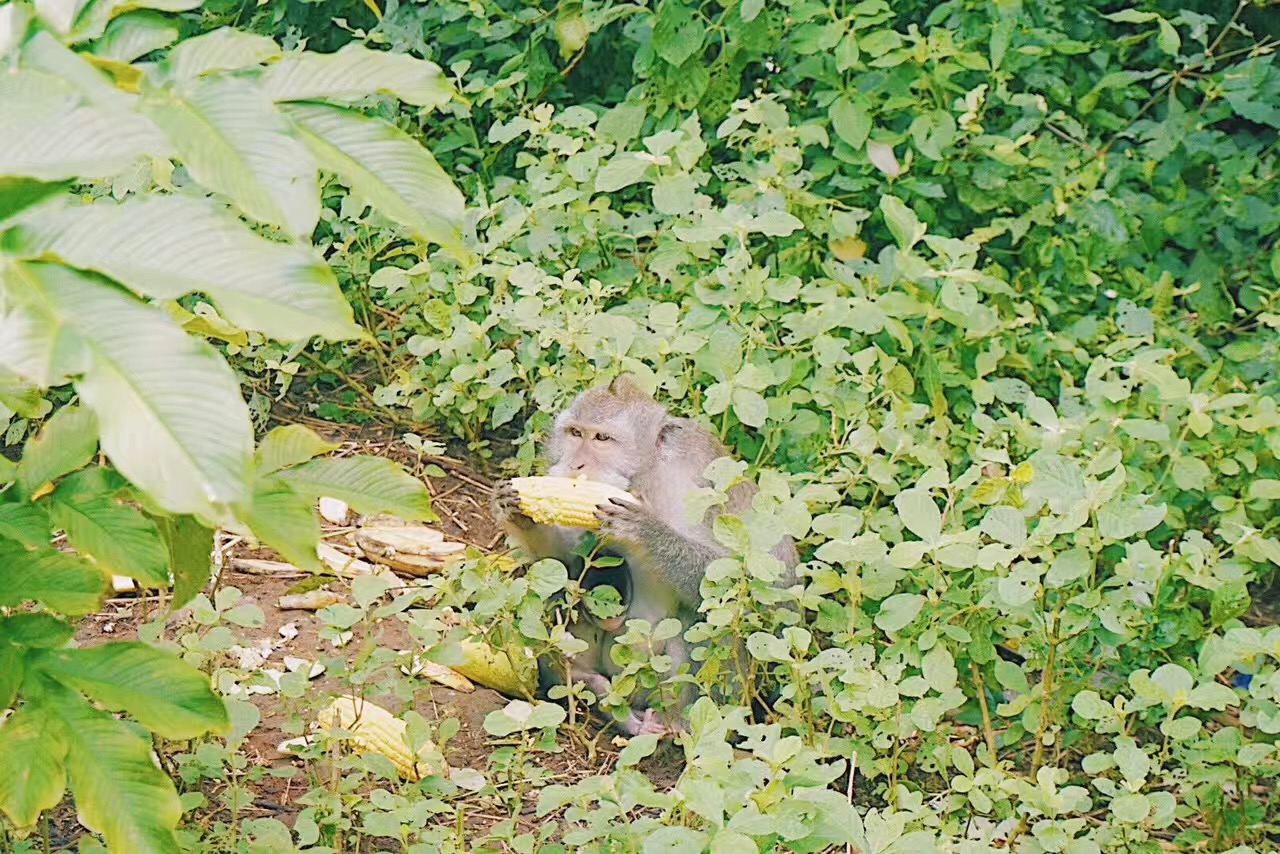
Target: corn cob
377	730
513	671
564	501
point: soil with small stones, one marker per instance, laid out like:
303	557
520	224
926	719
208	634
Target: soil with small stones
460	499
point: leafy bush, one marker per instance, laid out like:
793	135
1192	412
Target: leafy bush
985	293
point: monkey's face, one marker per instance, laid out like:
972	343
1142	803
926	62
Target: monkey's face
603	451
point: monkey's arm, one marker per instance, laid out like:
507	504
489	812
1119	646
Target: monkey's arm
540	541
655	549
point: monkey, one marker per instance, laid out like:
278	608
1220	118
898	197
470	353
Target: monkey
618	434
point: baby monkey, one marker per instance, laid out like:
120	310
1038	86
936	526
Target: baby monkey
619	435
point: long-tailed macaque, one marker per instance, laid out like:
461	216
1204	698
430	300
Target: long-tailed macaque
620	435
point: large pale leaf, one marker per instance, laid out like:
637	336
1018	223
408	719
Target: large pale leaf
24	523
118	538
190	548
289	445
223	49
19	194
14	18
354	71
286	520
167	247
60	581
120	792
160	690
13	667
33	748
67	442
386	168
93	21
170	413
43	52
232	139
368	484
51	135
136	34
59	15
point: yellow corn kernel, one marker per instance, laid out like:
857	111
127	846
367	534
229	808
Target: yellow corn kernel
376	729
563	501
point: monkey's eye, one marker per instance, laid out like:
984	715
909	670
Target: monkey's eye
575	432
603	437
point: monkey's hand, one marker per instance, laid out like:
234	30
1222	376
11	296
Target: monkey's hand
648	724
628	522
505	506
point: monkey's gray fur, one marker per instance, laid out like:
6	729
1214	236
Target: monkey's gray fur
620	435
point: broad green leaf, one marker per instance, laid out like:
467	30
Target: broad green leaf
369	484
625	169
136	34
386	168
169	410
67	443
1127	516
1264	488
354	71
289	445
13	669
232	139
673	839
677	35
1167	38
167	246
118	538
750	407
1067	567
286	520
18	194
61	582
1191	473
905	226
45	54
1131	16
165	694
223	49
98	13
43	631
33	748
919	514
50	135
1005	525
850	121
882	157
1132	808
120	792
1213	696
190	551
898	611
14	19
1011	677
25	523
59	15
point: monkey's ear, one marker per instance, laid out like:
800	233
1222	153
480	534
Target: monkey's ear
667	430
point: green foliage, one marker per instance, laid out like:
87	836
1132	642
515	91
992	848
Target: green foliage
101	237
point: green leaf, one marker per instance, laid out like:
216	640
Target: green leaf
43	631
1265	489
1191	473
170	414
232	140
190	550
1131	16
59	581
625	169
850	121
1167	38
13	669
33	749
906	228
223	49
385	168
370	485
354	71
98	13
898	611
1132	808
134	35
1005	525
168	246
18	194
67	443
118	538
1067	567
677	35
164	693
25	523
50	135
750	407
286	520
1011	677
120	792
919	514
289	445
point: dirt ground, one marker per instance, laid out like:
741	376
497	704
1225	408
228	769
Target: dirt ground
460	499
